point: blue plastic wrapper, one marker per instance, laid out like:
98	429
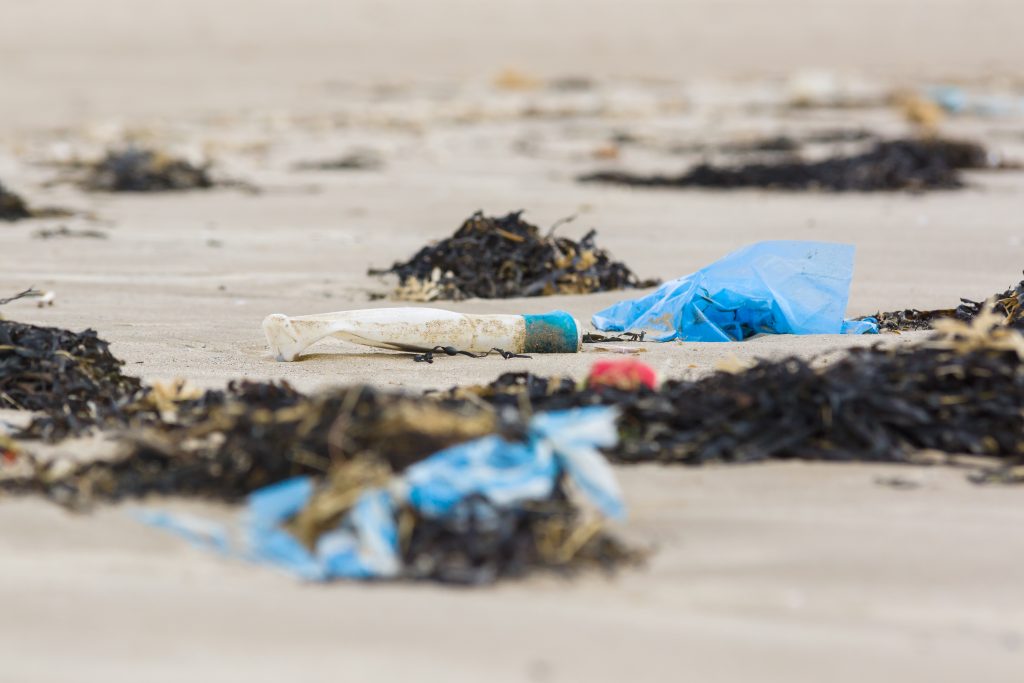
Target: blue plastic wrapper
779	287
365	543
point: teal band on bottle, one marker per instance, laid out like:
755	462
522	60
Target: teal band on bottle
554	332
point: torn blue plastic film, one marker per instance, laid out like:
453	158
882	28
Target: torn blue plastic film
779	287
365	544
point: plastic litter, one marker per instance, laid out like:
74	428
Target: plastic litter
778	287
624	374
487	476
425	329
957	100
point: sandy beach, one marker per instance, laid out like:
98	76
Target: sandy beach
784	572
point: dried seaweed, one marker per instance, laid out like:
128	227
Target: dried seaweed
595	338
961	394
144	170
910	319
914	165
481	543
71	377
428	356
1007	305
496	258
225	444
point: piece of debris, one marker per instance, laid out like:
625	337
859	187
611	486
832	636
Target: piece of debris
898	483
595	338
428	356
469	514
70	377
424	329
626	375
66	232
776	287
514	79
497	258
134	169
919	111
355	161
913	165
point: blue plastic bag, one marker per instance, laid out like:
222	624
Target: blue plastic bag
779	287
365	543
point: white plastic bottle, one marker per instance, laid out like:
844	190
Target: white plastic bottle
423	329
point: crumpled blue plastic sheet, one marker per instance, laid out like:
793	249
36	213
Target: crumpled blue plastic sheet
365	543
778	287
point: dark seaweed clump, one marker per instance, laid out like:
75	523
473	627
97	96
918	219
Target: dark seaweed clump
12	206
144	170
497	258
226	444
885	405
914	165
480	543
70	376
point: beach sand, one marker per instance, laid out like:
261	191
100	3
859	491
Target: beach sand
784	572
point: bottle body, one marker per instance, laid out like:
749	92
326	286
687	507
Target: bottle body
422	329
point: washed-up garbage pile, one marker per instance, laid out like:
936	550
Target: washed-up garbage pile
472	513
497	258
134	169
71	377
1007	305
915	165
958	393
358	483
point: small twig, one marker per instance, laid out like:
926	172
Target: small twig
30	292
